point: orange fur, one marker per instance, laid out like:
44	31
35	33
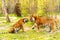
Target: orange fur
17	26
43	20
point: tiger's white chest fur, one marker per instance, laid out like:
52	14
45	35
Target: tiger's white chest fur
33	19
16	29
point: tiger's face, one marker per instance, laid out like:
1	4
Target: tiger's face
33	18
25	20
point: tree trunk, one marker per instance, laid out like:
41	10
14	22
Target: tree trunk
17	9
4	8
11	6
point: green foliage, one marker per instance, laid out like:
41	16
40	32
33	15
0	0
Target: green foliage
1	15
30	34
12	14
24	12
40	5
24	6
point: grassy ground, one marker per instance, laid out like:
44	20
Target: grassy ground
27	35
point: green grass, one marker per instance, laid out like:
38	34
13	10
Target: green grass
27	35
30	35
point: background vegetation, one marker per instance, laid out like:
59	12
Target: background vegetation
12	10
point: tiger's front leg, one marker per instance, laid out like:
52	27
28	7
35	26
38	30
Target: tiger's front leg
38	28
34	25
22	28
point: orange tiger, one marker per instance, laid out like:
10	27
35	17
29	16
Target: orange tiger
38	21
18	25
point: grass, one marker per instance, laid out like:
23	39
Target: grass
30	35
27	35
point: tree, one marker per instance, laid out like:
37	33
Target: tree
4	10
32	6
17	8
11	6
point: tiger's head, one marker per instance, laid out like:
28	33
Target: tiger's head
33	18
25	20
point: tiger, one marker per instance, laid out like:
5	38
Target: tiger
40	20
18	25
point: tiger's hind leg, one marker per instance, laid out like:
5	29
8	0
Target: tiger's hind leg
51	28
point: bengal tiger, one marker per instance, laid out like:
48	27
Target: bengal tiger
39	20
18	25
